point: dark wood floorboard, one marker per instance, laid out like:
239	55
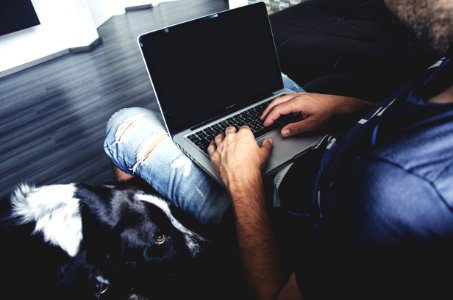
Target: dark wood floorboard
53	116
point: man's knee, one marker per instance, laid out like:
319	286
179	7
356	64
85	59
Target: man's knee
132	134
124	119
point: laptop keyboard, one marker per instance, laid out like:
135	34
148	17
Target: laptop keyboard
250	117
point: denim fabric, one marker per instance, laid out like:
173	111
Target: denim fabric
166	168
130	131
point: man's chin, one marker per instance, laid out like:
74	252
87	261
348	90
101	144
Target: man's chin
449	52
439	48
433	46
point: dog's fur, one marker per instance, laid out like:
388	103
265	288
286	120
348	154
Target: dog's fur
75	241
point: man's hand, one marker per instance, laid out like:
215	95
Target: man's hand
319	111
237	157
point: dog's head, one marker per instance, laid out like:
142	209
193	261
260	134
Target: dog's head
154	249
118	235
147	230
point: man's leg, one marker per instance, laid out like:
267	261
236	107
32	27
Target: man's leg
290	84
120	175
138	145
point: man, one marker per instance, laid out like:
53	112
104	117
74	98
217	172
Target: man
380	221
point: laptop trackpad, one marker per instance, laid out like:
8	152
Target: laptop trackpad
286	149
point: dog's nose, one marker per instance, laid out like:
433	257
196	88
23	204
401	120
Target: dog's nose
137	297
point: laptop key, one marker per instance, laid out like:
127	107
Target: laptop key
249	117
262	131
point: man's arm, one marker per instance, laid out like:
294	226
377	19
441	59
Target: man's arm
239	159
257	243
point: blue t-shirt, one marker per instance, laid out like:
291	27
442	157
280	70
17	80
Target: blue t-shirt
384	202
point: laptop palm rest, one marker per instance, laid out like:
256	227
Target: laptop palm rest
287	149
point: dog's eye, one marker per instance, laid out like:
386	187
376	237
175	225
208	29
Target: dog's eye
160	239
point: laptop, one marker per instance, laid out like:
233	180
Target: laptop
217	71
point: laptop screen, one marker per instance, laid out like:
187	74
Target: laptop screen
210	66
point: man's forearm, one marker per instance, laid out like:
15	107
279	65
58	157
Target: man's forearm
257	242
238	159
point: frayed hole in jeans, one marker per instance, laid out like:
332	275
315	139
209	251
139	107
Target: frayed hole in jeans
125	127
149	146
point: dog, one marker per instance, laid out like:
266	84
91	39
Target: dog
75	241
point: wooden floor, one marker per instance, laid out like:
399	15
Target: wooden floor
52	116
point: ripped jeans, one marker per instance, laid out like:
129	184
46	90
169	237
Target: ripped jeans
130	131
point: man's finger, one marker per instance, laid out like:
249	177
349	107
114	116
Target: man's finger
267	144
230	129
274	103
302	126
211	148
283	109
246	127
219	139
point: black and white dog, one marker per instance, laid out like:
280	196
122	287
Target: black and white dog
74	241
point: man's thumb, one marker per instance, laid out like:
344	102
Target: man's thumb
296	128
267	144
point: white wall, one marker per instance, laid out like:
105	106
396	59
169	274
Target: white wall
131	3
236	3
64	24
102	10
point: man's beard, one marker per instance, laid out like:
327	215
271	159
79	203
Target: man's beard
431	23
